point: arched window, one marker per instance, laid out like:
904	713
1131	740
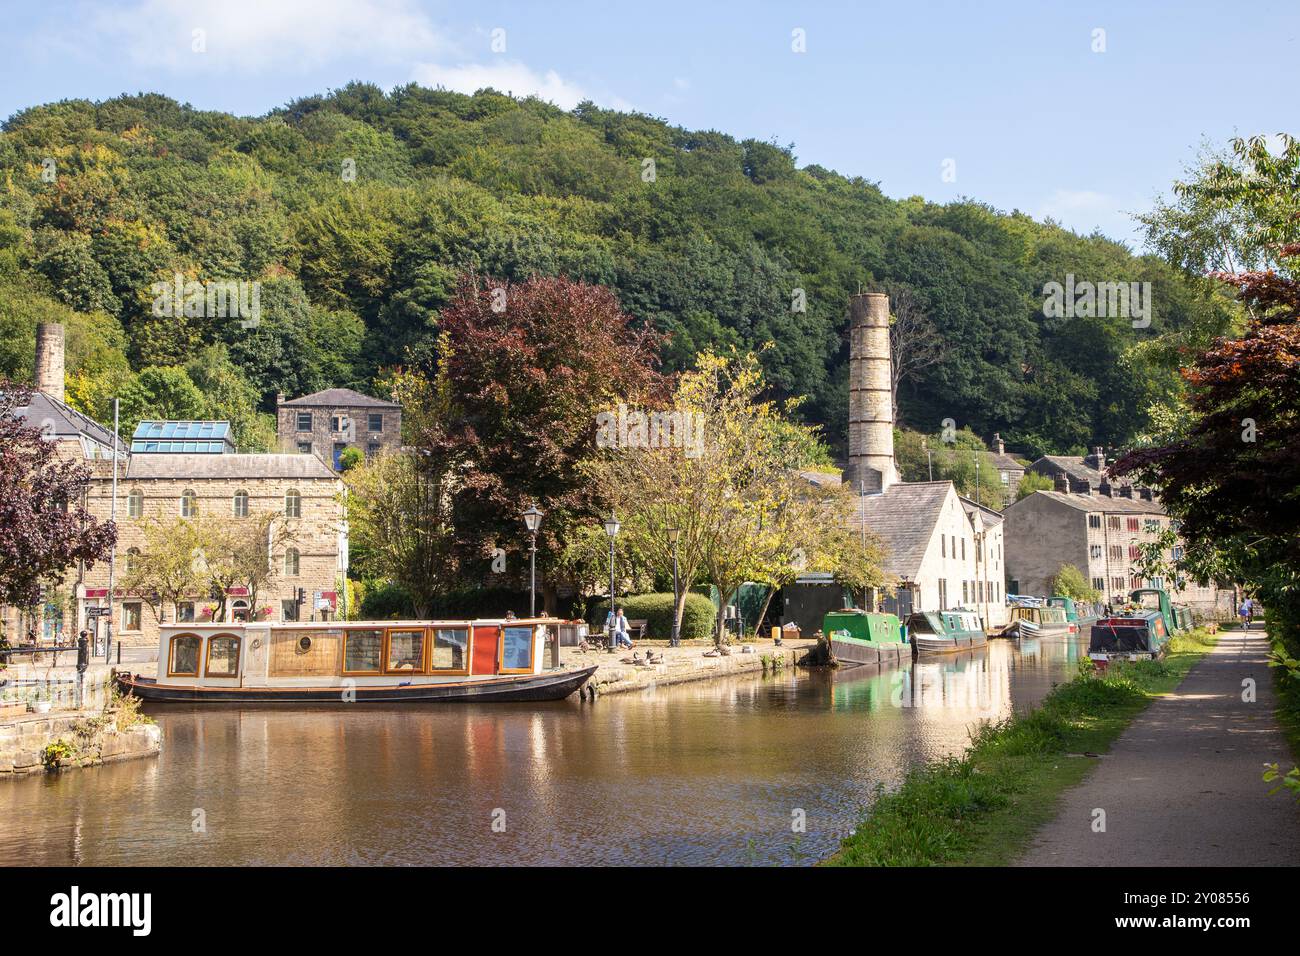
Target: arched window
223	656
292	504
183	656
189	504
135	503
132	560
241	504
291	562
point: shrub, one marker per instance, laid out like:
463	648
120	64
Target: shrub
657	611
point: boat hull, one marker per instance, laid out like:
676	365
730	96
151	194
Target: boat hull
926	644
870	652
526	688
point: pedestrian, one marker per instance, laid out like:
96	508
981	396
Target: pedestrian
1246	611
616	627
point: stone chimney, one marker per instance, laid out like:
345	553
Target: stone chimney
871	416
1097	459
999	447
1126	491
1061	484
49	359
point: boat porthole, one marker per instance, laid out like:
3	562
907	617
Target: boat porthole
304	643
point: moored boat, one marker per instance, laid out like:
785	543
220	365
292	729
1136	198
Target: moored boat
945	632
485	660
863	637
1038	621
1141	628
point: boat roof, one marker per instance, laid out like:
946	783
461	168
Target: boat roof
367	625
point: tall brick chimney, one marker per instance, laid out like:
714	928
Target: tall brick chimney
871	414
49	359
999	446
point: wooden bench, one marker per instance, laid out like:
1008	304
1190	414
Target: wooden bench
637	628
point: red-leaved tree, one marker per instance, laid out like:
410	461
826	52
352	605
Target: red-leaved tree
44	528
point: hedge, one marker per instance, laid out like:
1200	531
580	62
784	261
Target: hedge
657	611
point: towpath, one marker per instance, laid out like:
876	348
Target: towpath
1181	786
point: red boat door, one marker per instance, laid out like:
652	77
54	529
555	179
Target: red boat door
484	657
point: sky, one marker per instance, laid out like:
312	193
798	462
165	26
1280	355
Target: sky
1080	111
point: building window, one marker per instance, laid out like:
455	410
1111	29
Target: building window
1152	524
372	449
241	504
304	448
132	560
291	562
943	546
223	656
1094	551
135	503
362	651
963	592
1117	552
1117	583
963	549
338	423
1006	477
1099	584
185	612
1113	522
189	504
1133	552
376	422
1177	552
1094	521
405	652
183	656
304	421
292	504
289	609
1132	524
943	594
131	616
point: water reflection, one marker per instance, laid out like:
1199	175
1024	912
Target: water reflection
711	772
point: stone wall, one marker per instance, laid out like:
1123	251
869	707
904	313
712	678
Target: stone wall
322	437
92	737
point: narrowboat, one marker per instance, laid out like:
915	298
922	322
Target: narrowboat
861	637
1075	612
943	632
485	660
1141	628
1038	621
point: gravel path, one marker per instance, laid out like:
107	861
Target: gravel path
1181	786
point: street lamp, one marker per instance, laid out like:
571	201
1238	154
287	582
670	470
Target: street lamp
673	535
611	529
532	521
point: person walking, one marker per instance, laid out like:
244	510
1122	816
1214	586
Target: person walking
1246	612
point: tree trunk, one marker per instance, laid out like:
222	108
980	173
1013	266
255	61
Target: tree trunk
762	616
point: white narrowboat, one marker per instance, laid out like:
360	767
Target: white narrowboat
358	661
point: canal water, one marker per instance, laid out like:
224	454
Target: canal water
714	772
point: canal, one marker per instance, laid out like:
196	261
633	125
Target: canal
715	772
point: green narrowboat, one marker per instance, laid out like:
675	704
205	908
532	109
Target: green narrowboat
1141	628
1075	612
945	632
863	637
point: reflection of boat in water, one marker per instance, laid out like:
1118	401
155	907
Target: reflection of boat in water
945	632
861	637
353	661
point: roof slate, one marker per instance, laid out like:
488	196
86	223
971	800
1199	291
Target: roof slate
227	466
904	517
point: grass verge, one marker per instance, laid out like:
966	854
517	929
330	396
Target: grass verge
982	809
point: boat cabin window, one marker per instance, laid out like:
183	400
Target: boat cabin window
405	651
183	656
223	656
450	649
516	649
362	651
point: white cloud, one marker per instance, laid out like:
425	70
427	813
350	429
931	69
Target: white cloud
508	76
256	35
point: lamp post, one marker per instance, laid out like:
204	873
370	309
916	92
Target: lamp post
532	521
673	535
611	529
